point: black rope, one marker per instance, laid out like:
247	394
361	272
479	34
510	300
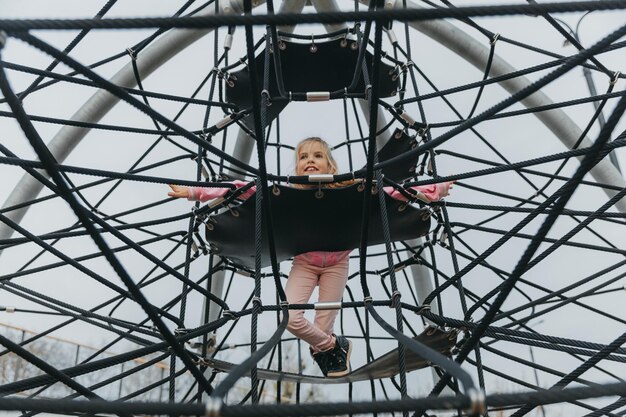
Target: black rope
50	165
259	410
402	15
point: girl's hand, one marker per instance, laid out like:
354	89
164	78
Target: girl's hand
178	191
444	188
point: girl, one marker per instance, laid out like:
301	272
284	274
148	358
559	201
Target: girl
328	270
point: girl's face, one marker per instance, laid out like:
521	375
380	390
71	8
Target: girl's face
312	160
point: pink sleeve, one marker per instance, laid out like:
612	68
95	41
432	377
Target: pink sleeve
209	193
430	192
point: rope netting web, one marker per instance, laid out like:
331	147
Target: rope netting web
511	304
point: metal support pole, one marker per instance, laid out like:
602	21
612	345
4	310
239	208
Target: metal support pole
96	107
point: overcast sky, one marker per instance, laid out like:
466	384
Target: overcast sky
517	139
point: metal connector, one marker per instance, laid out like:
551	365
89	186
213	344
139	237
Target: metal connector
321	178
328	305
224	122
228	41
318	96
404	115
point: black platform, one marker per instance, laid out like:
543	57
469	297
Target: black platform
305	223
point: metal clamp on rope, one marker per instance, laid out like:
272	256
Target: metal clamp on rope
495	39
230	314
180	330
321	178
9	309
395	299
404	115
224	122
266	95
392	36
478	404
328	305
368	300
316	96
423	130
423	308
212	407
228	41
256	301
131	53
615	77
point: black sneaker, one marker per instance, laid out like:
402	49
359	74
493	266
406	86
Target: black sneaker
339	357
323	360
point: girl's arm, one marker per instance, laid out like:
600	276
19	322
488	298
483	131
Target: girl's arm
208	193
427	193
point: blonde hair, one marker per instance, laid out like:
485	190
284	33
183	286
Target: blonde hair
325	148
329	156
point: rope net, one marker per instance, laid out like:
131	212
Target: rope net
523	266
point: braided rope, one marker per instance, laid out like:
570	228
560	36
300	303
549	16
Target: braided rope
284	19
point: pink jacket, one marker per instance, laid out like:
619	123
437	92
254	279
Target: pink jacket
428	193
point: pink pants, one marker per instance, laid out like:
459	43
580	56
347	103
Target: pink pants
302	281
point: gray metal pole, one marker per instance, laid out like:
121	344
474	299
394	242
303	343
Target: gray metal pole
556	120
244	146
96	107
